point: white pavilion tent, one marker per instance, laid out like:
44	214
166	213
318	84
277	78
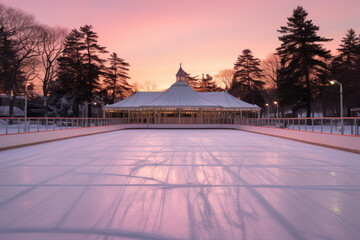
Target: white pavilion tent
181	104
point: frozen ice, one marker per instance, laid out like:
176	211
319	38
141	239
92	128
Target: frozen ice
179	184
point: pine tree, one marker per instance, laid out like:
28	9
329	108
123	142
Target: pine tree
10	74
193	81
348	57
247	83
346	68
207	84
80	68
7	61
71	73
116	78
303	61
93	63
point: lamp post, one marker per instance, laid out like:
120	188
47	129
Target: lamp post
25	112
87	110
27	126
267	109
277	109
341	104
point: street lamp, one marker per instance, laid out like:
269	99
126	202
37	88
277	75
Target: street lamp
25	112
87	107
267	109
277	109
341	104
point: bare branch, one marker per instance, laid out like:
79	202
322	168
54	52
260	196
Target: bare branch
270	66
225	78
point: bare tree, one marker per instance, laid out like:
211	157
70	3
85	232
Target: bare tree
18	43
225	78
149	86
136	86
50	48
270	66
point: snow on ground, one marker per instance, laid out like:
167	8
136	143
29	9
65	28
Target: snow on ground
4	111
179	184
348	130
21	127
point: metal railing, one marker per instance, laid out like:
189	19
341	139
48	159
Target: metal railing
22	125
322	125
351	125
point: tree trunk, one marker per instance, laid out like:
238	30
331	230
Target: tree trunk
75	108
89	110
308	96
11	105
45	107
113	95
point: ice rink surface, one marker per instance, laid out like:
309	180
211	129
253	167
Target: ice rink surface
179	184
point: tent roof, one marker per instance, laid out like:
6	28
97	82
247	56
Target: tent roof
180	94
226	100
136	100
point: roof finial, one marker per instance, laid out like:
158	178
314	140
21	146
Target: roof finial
181	75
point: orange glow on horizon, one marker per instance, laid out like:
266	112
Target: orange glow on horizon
206	36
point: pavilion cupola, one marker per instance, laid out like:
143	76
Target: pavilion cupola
181	75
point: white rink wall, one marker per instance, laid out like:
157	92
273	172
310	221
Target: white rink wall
343	142
24	139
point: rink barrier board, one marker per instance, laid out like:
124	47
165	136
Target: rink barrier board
341	142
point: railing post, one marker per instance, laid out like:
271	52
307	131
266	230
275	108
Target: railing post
312	124
38	123
18	125
321	122
331	124
7	126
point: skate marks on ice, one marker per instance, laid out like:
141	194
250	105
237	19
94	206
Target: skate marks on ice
178	184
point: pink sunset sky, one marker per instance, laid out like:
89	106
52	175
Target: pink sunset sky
154	36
